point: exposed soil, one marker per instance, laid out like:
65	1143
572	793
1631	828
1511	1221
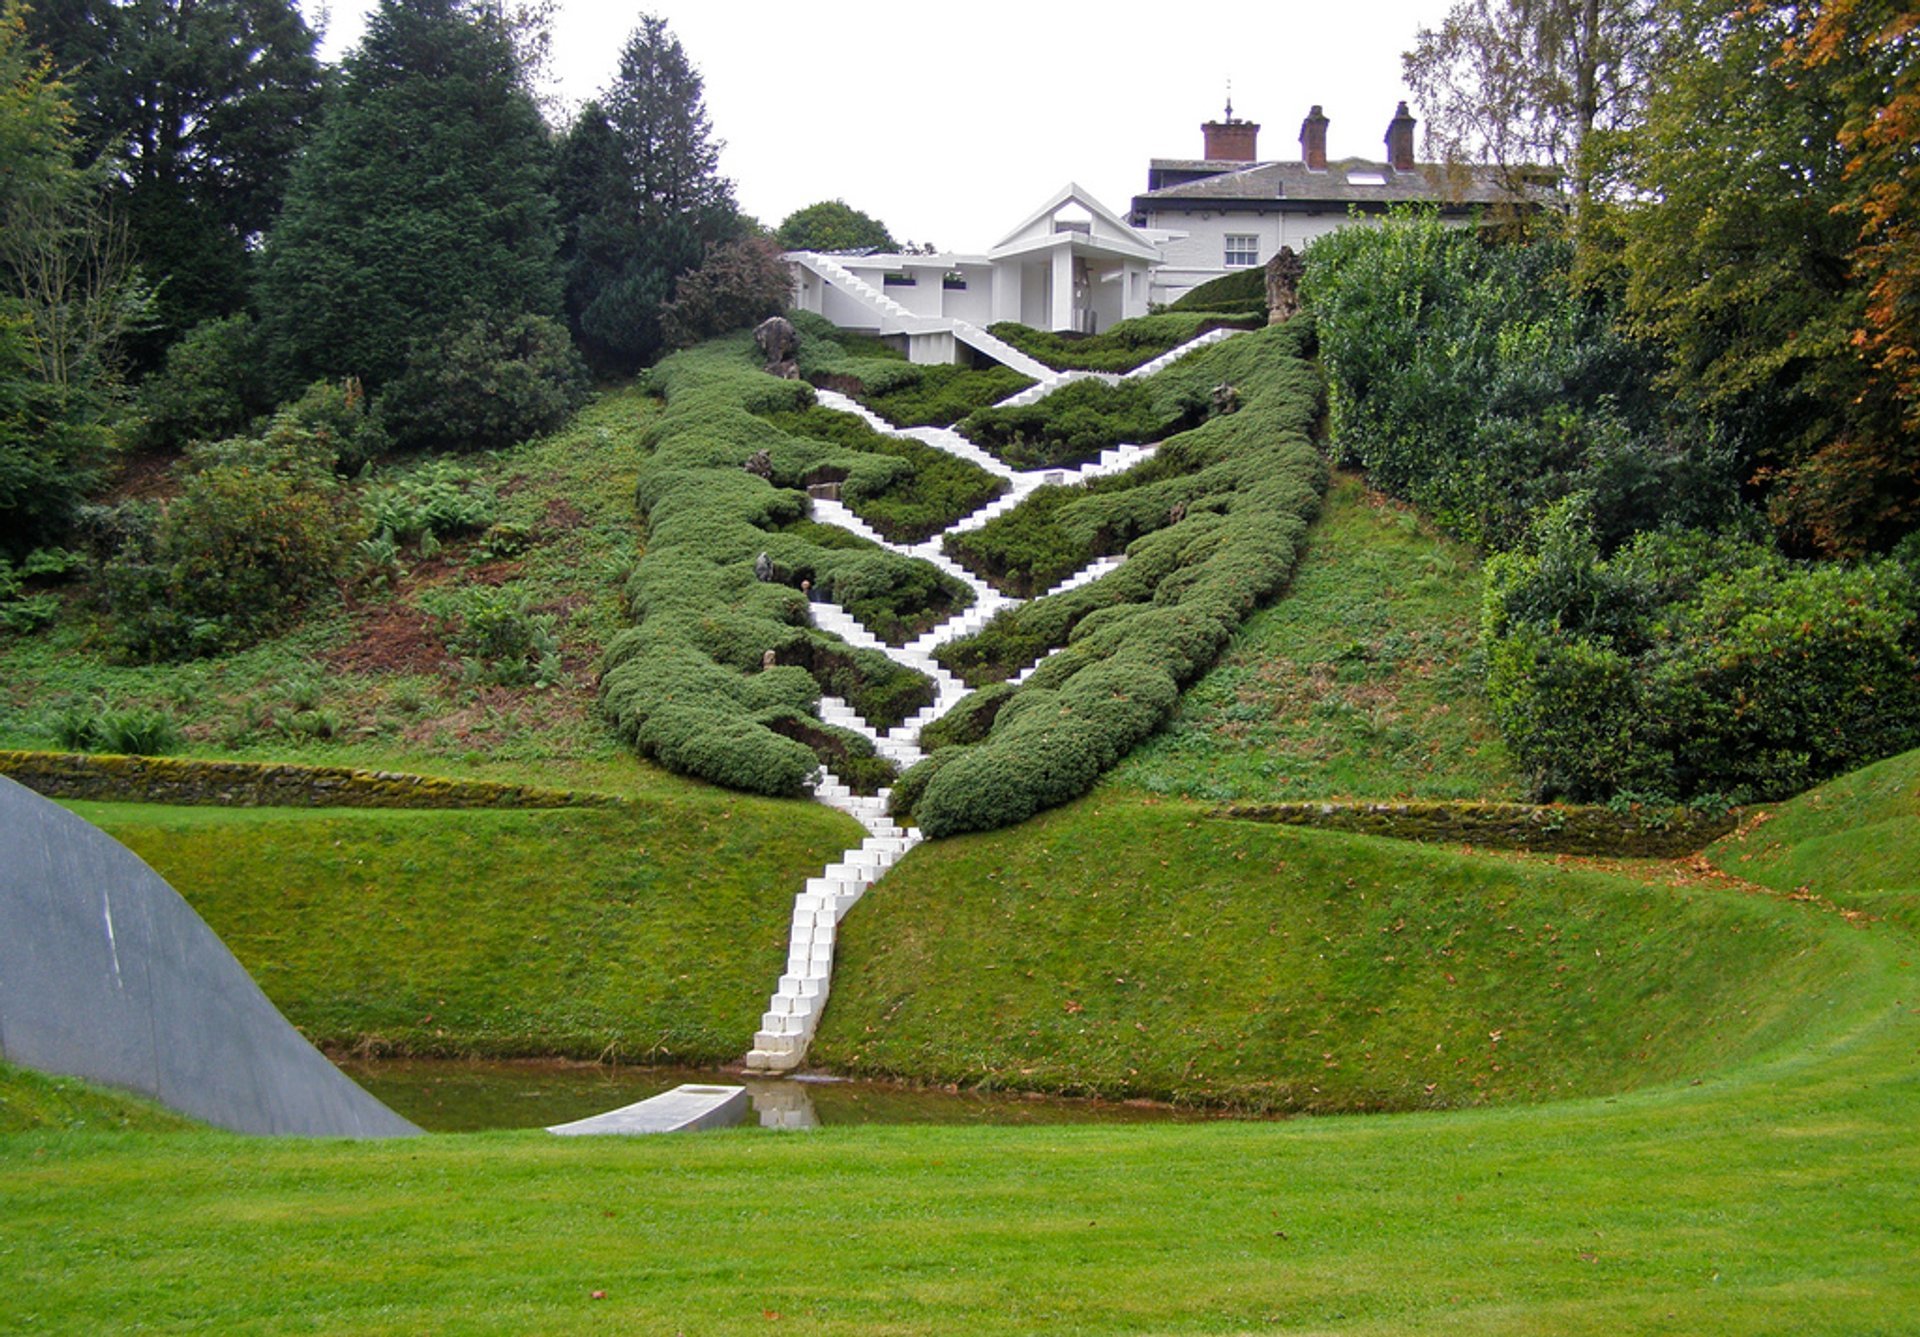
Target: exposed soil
392	638
145	477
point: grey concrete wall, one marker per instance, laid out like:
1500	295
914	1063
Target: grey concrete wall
107	974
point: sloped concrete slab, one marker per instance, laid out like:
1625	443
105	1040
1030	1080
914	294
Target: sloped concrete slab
684	1109
107	974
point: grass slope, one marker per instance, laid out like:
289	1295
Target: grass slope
378	666
1124	948
1852	838
1771	1196
1362	681
638	933
34	1101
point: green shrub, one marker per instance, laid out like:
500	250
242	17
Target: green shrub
933	490
1690	664
739	284
1211	528
139	732
261	526
338	414
1073	424
485	385
212	384
1126	345
686	684
1229	292
499	638
942	395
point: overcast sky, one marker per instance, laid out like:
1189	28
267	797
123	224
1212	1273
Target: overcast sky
951	123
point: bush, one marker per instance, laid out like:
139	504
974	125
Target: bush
907	505
136	732
1229	292
261	525
1692	664
1128	344
338	414
739	285
1211	526
213	384
485	385
500	639
1475	381
942	395
1073	424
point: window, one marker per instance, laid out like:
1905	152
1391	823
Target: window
1242	250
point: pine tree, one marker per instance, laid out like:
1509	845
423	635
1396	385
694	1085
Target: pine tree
641	198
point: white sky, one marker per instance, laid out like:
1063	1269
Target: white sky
952	123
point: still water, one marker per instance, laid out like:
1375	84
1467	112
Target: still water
463	1096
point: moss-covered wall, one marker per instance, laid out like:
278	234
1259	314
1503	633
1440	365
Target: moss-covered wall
247	784
1546	829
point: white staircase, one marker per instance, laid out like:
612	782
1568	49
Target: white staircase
793	1012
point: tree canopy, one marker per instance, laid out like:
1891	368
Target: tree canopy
834	225
423	202
641	198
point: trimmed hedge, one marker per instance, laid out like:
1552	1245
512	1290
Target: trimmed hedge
937	490
1242	291
247	784
1074	424
1649	831
1212	527
685	684
1129	344
880	377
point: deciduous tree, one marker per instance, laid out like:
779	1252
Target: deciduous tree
834	225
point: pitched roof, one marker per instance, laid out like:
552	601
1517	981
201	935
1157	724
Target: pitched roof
1117	235
1346	181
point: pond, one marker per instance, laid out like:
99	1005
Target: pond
466	1096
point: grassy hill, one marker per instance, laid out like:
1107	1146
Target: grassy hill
1361	680
650	932
1761	1193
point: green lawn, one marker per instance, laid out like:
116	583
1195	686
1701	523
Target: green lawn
1765	1185
1361	680
642	933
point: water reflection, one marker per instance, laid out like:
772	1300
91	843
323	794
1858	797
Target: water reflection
462	1096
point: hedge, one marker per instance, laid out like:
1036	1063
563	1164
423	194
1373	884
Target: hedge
685	684
1242	291
248	784
1212	527
937	489
880	377
1128	344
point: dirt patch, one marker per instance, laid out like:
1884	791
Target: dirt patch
144	477
563	514
391	639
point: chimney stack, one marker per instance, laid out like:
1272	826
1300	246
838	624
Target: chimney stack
1400	140
1313	140
1230	140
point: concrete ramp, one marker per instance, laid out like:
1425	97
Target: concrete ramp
684	1109
108	975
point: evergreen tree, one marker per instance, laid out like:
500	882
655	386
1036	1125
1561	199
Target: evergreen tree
198	108
423	205
641	198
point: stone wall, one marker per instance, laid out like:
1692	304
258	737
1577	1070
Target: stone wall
247	784
1544	829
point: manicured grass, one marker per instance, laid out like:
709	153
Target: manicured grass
1759	1193
33	1101
640	933
1774	1196
1856	835
1362	680
1121	947
375	675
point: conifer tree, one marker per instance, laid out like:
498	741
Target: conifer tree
423	205
641	197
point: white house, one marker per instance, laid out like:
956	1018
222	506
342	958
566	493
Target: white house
1227	210
1072	264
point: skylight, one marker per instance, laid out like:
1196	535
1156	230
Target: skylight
1365	179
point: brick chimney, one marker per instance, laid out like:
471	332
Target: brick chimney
1230	140
1313	140
1400	140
